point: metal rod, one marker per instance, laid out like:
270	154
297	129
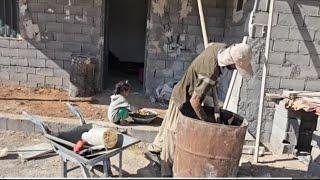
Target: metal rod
105	167
120	164
263	83
63	167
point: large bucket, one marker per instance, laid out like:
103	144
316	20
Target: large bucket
208	149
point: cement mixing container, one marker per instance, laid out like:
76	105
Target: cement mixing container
208	149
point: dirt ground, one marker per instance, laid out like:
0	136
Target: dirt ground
96	110
134	163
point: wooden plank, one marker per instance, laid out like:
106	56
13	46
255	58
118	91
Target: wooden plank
71	99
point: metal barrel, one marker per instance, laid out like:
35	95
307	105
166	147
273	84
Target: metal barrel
205	149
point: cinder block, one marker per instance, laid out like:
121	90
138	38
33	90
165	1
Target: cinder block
285	46
298	59
19	62
64	37
312	22
276	58
73	10
261	18
307	8
282	6
72	28
4	75
302	34
277	147
36	62
36	7
18	77
215	12
62	55
67	19
19	69
44	71
54	8
19	44
73	47
292	84
6	52
27	53
56	81
307	47
194	30
45	54
54	45
61	73
279	32
46	17
4	61
290	19
92	12
4	43
308	72
89	48
54	27
38	79
82	38
279	71
85	3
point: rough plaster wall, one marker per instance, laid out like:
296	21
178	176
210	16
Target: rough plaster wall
51	31
174	37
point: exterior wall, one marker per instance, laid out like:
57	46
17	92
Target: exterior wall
51	31
174	37
294	57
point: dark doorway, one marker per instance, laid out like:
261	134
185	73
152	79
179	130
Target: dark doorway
125	42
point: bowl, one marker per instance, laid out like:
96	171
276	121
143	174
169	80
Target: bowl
146	120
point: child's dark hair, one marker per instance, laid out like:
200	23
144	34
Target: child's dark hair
121	87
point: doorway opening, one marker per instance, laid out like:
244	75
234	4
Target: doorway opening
125	34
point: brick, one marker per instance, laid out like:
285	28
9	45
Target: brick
62	55
279	71
307	8
19	62
273	82
61	73
4	60
63	18
36	62
54	8
308	72
45	17
6	52
283	6
313	85
56	81
36	7
4	43
82	38
27	53
38	79
54	45
302	34
4	75
292	84
298	59
18	77
73	10
280	32
73	47
306	47
72	28
285	46
18	44
44	71
276	58
194	30
312	22
19	69
45	54
54	27
290	20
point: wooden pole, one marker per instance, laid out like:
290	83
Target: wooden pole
263	82
203	24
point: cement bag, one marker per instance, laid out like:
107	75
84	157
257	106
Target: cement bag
101	136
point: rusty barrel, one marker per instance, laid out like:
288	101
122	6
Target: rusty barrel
208	149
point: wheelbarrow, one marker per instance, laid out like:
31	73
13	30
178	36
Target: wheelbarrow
63	143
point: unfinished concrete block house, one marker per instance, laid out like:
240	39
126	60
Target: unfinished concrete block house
156	40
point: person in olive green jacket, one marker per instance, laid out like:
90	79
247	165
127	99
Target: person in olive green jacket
200	77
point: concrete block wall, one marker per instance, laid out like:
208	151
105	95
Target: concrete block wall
174	37
51	30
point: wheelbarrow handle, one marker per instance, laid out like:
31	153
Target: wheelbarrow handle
75	111
36	121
